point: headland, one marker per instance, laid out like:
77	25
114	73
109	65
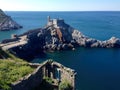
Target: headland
56	35
7	23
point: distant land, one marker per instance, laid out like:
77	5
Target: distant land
7	23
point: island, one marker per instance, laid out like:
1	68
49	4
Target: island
7	23
55	35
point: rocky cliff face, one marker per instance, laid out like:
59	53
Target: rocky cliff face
6	22
82	40
59	36
56	35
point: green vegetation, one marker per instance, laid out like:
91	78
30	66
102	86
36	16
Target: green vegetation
48	80
12	69
64	85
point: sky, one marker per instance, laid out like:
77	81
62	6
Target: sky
60	5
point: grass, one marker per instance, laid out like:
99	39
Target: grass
11	70
65	85
48	80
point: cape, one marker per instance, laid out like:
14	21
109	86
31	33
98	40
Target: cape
7	23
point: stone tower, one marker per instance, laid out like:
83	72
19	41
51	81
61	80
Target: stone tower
48	19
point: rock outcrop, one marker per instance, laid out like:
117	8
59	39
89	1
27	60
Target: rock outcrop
82	40
7	23
56	35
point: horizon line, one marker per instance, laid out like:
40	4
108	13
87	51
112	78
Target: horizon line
64	11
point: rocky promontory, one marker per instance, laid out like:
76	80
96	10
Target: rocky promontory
56	35
7	23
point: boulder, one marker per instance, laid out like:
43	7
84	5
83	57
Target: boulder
113	42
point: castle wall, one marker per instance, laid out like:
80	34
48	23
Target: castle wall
55	22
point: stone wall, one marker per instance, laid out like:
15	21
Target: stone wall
67	75
46	69
29	82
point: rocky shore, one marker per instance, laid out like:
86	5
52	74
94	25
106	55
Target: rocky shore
7	23
82	40
56	35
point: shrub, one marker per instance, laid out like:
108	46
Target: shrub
64	85
48	80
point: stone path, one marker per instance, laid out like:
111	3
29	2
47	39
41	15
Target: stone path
20	42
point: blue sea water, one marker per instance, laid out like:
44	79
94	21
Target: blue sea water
97	68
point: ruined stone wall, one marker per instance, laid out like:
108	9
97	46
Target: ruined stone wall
46	69
29	82
68	75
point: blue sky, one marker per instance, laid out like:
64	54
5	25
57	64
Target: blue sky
60	5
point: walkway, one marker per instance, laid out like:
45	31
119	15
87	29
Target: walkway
22	41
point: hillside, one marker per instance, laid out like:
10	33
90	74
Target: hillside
7	23
2	16
11	69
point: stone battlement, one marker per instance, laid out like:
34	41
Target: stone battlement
55	22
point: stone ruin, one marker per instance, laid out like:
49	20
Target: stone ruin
56	71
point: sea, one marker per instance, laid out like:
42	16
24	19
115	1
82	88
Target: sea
97	68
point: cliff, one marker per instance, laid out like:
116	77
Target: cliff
7	23
56	35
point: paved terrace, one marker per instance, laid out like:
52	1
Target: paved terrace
22	41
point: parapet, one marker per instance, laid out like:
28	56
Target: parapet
54	22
